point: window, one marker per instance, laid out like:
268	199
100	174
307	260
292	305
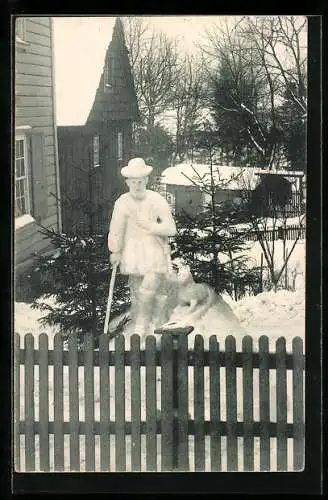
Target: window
120	146
96	151
106	84
108	74
22	199
20	30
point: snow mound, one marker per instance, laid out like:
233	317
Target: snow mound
265	307
275	314
27	320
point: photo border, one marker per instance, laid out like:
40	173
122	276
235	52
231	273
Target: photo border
308	481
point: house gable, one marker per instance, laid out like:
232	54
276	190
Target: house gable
115	97
106	136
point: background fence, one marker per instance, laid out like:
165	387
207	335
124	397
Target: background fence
176	399
289	233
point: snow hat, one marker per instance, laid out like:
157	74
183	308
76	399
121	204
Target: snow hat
136	168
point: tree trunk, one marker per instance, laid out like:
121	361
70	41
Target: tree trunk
150	120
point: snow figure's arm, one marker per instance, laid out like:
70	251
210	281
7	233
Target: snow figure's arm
117	228
164	225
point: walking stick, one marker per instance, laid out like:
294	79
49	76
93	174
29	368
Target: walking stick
110	297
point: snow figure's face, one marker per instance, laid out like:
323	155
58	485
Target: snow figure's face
137	186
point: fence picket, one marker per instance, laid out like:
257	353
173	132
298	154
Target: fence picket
17	388
58	404
173	424
151	444
44	403
264	394
29	403
104	402
89	404
167	402
135	404
281	404
231	398
248	416
199	404
74	444
182	414
214	362
120	453
298	406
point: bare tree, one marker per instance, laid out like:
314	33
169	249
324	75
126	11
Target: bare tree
188	104
283	47
261	61
267	229
135	32
153	58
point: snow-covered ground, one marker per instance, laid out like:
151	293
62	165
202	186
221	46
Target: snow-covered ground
295	266
273	314
253	251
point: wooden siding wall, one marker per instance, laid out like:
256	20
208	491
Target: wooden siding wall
114	183
74	144
34	106
75	155
187	198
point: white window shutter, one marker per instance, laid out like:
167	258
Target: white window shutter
38	174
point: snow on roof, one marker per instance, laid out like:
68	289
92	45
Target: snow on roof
287	173
228	177
80	45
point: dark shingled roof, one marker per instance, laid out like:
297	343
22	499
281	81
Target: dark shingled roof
119	101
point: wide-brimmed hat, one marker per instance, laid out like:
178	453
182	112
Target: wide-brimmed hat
136	168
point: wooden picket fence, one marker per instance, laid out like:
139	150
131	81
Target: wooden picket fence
172	425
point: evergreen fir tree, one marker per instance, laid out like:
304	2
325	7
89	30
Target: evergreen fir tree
77	274
202	238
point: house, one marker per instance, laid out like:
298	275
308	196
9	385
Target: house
91	154
182	185
36	159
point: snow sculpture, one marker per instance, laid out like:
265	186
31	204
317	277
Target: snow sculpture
138	241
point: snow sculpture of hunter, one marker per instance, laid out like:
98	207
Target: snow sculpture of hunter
138	241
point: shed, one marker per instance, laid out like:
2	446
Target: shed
182	184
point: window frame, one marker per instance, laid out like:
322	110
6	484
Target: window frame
96	151
21	30
25	178
108	74
120	146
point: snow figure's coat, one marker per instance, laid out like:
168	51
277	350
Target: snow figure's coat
142	252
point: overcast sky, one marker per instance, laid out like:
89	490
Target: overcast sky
80	45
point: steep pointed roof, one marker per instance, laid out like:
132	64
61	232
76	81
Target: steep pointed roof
115	97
